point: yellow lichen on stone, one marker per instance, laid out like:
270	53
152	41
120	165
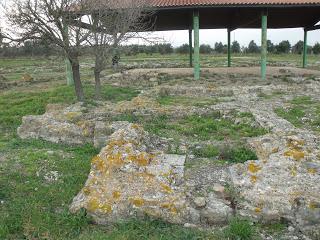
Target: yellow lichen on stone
294	144
98	162
314	205
93	204
170	206
106	208
166	188
72	115
312	171
86	190
135	126
258	210
115	159
253	179
116	195
253	168
116	143
295	154
137	201
275	150
142	159
293	171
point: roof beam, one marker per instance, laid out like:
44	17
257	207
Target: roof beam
316	27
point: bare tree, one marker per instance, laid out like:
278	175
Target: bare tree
113	22
57	21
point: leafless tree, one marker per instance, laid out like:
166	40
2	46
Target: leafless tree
113	22
57	21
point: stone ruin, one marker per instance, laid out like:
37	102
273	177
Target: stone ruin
133	175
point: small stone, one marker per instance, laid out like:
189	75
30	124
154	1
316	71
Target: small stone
291	229
200	202
189	225
194	215
218	188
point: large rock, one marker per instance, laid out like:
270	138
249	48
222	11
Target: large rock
283	184
59	125
131	178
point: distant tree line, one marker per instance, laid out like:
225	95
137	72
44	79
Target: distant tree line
44	48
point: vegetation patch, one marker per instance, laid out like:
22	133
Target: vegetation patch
237	154
187	101
240	229
207	151
227	154
197	128
15	105
302	112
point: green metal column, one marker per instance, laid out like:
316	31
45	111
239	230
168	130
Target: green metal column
229	48
264	45
69	73
305	49
196	45
190	46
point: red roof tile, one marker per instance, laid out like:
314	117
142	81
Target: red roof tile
185	3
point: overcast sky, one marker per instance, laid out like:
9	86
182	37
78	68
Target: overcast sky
243	36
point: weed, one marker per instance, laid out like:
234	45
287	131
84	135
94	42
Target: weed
237	155
207	151
303	100
240	229
293	115
186	101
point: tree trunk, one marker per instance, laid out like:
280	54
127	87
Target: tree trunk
97	84
77	81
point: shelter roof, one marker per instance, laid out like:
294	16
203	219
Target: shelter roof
183	3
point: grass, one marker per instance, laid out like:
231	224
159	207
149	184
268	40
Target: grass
293	115
15	105
303	111
197	128
187	101
207	151
238	154
148	229
31	207
240	229
212	127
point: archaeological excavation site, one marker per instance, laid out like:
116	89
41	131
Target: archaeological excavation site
160	120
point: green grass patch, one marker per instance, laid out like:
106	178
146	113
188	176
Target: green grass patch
303	112
15	105
303	100
213	127
196	128
207	151
33	207
293	115
273	228
272	95
237	154
187	101
240	229
145	230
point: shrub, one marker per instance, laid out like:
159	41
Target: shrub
239	229
237	155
